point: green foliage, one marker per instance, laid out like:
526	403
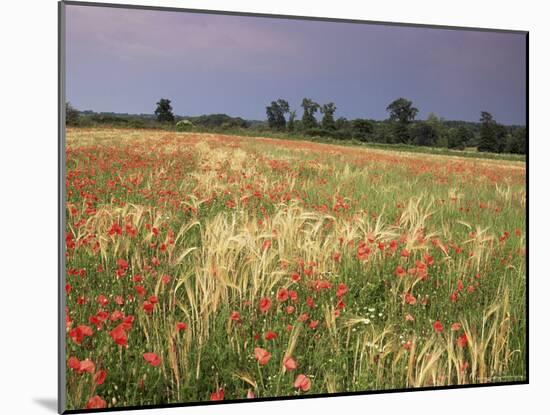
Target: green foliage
164	111
424	134
362	129
402	113
328	110
291	121
308	118
184	125
488	133
72	115
459	137
276	114
517	142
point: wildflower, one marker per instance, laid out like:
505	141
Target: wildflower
99	377
217	395
302	383
152	358
95	402
289	363
265	305
262	355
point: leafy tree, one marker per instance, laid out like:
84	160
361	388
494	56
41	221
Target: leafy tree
362	128
328	110
164	111
291	121
402	113
276	114
517	141
308	118
459	137
72	115
424	134
488	140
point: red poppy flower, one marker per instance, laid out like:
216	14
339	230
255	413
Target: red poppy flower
119	300
293	295
290	309
270	335
102	300
456	326
282	295
250	394
266	245
363	251
99	377
78	333
295	277
438	326
180	326
140	290
462	341
289	363
152	358
218	395
342	289
404	253
117	315
310	302
302	382
118	334
400	271
86	365
261	355
95	402
148	306
74	363
410	299
127	322
115	229
313	324
265	305
235	316
303	317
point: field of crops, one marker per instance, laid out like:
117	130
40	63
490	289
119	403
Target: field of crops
206	267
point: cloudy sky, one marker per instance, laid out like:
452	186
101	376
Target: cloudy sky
124	60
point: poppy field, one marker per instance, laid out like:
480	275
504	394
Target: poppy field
207	267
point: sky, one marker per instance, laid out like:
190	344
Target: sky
125	60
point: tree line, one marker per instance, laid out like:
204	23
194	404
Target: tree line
401	126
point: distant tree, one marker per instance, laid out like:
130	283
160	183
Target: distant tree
308	118
362	129
72	115
402	113
276	114
164	111
291	121
488	140
341	123
328	110
424	134
459	137
517	141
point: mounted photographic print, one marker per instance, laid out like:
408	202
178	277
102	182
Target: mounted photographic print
258	207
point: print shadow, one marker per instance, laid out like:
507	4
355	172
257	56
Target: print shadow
48	403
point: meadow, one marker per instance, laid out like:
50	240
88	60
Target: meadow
208	267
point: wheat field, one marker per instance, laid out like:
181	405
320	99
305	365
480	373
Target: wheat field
208	267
